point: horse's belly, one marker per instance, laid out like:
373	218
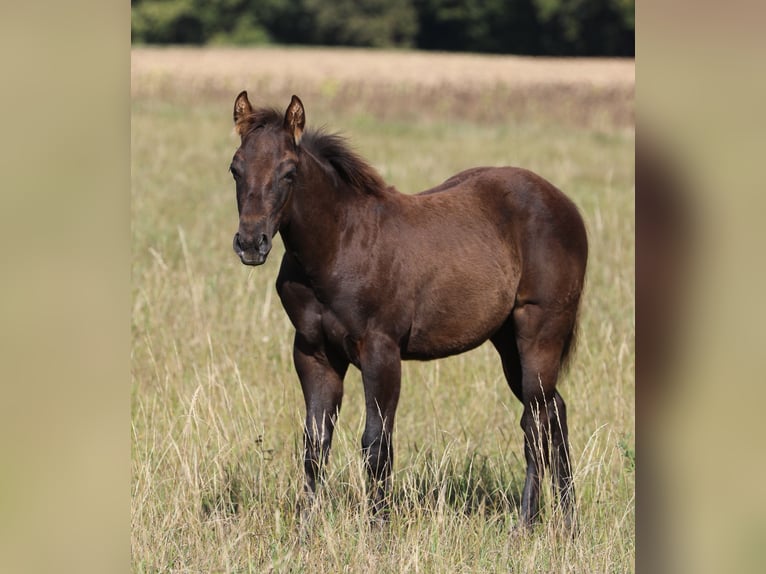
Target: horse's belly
449	330
458	307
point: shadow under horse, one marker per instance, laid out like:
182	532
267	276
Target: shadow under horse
372	276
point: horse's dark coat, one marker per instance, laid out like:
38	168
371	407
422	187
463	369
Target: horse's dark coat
372	276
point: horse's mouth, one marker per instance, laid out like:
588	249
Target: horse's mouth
252	258
249	256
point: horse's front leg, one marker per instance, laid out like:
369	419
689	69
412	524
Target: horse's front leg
321	374
380	362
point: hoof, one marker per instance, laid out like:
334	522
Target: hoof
380	519
521	528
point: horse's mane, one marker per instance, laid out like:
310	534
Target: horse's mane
332	150
350	166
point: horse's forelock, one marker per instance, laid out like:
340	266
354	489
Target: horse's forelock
258	118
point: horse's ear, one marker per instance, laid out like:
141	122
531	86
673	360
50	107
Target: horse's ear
295	119
242	109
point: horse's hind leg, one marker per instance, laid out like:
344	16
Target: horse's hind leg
505	343
541	339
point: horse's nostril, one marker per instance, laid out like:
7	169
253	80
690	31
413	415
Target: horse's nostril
236	244
247	243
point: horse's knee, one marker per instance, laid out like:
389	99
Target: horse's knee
378	453
317	444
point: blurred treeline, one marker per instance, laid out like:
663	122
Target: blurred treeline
539	27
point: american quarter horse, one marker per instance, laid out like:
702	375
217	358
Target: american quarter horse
372	276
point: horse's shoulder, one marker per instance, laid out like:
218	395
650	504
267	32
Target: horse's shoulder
298	298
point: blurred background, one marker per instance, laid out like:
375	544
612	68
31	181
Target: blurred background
423	89
530	27
66	299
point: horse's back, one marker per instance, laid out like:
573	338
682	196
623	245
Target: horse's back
516	200
456	179
525	197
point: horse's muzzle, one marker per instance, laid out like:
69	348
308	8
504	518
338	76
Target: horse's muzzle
252	252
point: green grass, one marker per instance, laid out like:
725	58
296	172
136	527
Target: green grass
217	409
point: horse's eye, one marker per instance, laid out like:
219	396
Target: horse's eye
289	175
234	172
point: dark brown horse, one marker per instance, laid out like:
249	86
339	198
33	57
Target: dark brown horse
372	276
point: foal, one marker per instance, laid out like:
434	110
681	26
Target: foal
372	276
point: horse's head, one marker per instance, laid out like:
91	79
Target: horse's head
264	168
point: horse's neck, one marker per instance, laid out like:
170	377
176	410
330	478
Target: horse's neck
316	217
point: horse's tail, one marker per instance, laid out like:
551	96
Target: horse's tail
570	344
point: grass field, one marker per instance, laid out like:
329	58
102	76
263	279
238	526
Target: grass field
216	406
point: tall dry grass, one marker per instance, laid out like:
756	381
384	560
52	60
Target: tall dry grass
216	406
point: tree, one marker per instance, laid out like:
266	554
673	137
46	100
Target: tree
560	27
376	23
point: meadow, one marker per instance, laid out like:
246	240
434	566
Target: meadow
216	408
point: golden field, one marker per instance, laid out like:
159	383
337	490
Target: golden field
216	408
